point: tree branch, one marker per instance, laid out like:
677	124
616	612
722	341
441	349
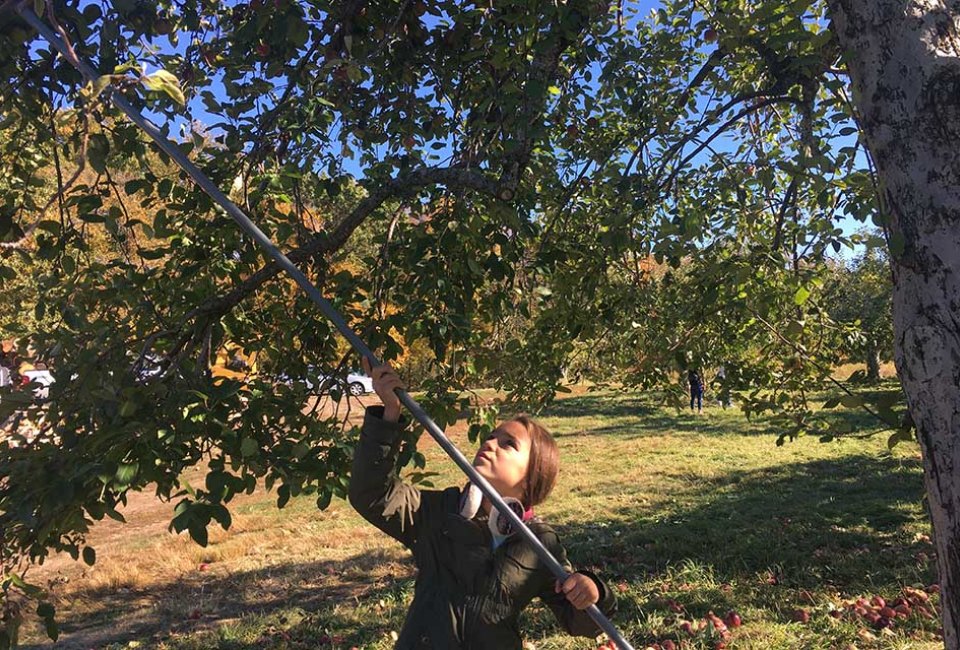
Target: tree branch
325	243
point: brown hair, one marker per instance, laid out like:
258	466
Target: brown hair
544	462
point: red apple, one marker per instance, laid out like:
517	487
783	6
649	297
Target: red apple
732	619
800	616
710	35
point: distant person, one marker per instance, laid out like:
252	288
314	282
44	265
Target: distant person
696	389
723	391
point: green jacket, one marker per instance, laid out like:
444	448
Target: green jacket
467	595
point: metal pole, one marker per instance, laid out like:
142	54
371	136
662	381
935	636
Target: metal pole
172	150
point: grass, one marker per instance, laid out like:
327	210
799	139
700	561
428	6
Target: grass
676	511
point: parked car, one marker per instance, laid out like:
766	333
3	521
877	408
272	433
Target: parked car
40	378
355	382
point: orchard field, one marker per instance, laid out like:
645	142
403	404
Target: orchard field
683	514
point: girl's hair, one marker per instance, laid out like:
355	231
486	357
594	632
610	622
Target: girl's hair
544	462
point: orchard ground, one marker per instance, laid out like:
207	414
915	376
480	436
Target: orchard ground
681	514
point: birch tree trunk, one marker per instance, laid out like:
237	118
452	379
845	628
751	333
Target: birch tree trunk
904	61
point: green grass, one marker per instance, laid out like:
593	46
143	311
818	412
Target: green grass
705	511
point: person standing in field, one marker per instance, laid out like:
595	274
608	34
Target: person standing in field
695	379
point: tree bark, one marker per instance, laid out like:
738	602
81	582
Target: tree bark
904	63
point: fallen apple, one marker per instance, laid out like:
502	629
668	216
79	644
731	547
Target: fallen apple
800	616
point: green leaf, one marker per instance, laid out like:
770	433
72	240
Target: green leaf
97	86
126	473
249	447
198	532
801	296
47	612
897	438
283	495
89	555
165	82
97	151
52	227
222	515
323	501
553	90
51	628
299	450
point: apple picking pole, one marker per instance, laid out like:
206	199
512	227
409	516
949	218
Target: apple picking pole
172	150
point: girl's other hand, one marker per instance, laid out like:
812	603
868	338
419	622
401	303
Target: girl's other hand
580	590
385	383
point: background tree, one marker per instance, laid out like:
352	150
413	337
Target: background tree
860	298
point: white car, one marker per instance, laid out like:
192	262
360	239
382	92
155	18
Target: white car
355	382
42	379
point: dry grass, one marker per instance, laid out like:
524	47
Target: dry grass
843	371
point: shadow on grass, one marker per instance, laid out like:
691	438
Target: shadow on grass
843	522
625	404
641	417
200	603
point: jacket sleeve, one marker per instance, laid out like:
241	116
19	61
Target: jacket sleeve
376	491
575	621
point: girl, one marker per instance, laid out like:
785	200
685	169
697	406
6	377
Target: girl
474	577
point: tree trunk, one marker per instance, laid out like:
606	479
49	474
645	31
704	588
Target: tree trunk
873	364
904	62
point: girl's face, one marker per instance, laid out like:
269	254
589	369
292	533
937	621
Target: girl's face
503	459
